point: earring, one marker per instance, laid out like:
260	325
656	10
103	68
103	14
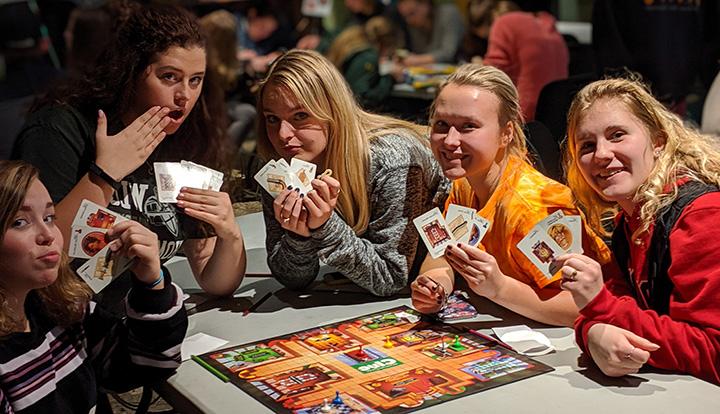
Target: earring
657	152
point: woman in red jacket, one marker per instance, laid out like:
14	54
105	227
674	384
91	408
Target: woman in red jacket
628	153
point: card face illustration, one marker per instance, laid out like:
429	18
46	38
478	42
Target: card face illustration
542	251
92	215
478	227
304	172
86	242
102	268
434	232
277	175
459	219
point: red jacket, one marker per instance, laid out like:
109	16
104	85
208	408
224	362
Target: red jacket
689	335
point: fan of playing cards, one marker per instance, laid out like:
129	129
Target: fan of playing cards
461	224
555	235
88	241
172	176
276	176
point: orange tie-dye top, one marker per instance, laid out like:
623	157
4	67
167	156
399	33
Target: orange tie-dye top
523	198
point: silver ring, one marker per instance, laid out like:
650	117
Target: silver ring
286	220
629	354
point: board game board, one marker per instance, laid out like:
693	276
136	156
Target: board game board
393	361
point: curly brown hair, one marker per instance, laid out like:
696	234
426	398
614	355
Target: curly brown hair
143	33
65	300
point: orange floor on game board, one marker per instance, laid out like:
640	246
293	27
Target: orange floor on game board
316	372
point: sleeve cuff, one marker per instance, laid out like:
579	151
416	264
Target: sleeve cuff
144	300
600	306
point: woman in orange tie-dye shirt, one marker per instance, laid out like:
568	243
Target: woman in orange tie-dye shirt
477	137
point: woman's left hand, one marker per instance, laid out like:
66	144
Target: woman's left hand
477	267
320	202
212	207
582	277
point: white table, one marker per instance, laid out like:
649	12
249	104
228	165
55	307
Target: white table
568	389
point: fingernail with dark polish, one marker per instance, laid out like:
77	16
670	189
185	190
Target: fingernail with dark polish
302	195
297	190
289	187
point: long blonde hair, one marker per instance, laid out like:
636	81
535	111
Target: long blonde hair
686	153
321	90
65	300
499	84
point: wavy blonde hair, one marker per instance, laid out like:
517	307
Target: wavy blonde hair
495	81
687	153
65	300
321	90
378	32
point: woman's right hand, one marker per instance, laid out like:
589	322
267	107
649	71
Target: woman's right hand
290	213
135	241
119	155
428	296
617	351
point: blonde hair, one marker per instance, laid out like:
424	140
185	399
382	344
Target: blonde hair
495	81
65	300
220	29
378	32
686	153
321	90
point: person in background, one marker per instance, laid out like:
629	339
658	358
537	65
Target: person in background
359	221
262	36
56	345
220	28
477	136
358	53
96	138
628	153
434	31
526	46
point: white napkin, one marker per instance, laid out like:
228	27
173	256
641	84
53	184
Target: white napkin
524	340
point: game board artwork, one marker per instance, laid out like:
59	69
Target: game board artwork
393	361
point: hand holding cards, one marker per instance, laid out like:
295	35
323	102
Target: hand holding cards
555	235
278	175
461	225
172	176
88	240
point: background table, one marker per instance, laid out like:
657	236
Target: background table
571	388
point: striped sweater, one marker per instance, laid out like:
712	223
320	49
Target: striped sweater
54	369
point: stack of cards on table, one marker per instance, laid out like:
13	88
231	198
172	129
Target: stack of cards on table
172	176
555	235
87	241
276	176
457	309
460	225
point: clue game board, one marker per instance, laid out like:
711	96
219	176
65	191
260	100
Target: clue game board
393	361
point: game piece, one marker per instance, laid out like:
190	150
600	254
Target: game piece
325	407
388	342
456	345
299	372
361	353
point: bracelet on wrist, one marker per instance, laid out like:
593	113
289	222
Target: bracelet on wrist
100	173
157	281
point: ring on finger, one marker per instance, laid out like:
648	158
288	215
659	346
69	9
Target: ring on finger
629	354
573	275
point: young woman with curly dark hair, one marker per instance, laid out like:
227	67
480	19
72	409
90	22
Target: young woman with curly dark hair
97	138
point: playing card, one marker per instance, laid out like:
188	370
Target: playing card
86	242
459	219
478	227
575	225
541	250
195	176
557	229
169	177
272	179
100	270
92	215
304	172
457	309
216	177
434	232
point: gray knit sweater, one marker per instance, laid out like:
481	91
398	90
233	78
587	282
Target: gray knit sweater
404	182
